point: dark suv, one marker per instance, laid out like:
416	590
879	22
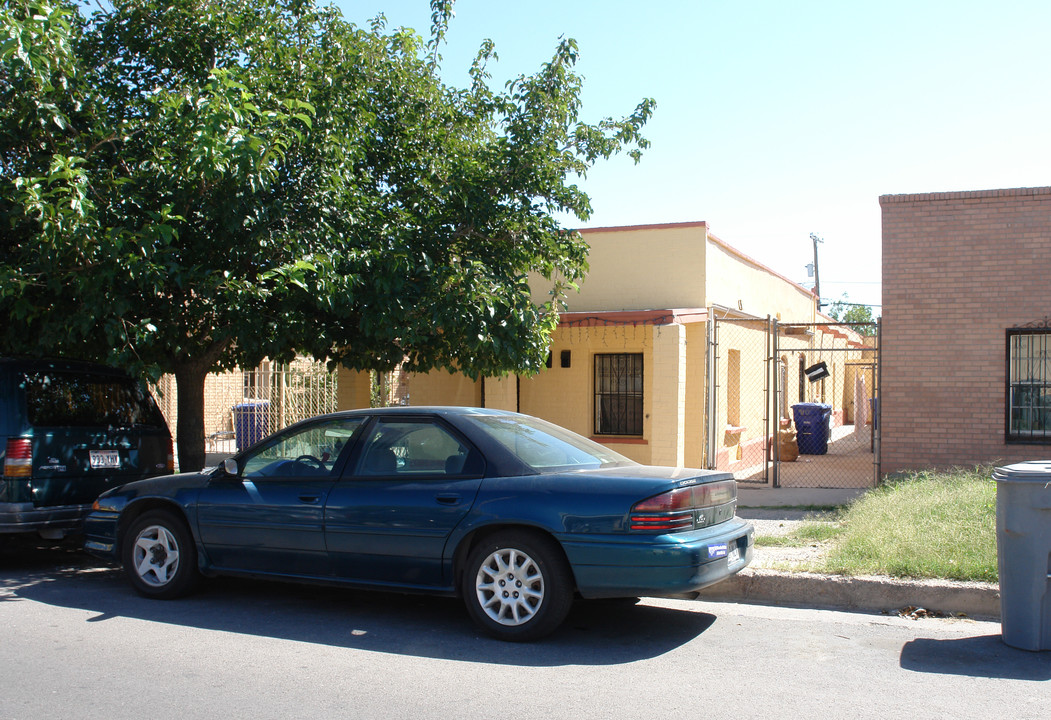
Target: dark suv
69	431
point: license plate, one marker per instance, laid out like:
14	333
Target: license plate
104	459
733	556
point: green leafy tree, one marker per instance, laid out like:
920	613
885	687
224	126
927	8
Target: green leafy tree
845	311
191	185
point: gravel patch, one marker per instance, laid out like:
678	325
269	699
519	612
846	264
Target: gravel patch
778	522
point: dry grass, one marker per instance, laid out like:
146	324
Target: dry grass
922	525
928	525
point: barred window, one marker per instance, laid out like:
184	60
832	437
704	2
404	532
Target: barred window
1029	386
618	394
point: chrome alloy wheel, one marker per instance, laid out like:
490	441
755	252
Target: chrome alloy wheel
510	587
156	555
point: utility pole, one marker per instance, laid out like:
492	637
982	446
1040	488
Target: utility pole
817	274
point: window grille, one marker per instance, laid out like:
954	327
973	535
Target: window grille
618	394
1029	385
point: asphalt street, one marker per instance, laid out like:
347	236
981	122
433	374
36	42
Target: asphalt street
77	642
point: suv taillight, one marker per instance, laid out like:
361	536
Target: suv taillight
171	458
18	459
683	508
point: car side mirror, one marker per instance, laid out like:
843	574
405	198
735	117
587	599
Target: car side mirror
230	467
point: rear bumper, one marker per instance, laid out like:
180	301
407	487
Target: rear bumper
659	566
26	517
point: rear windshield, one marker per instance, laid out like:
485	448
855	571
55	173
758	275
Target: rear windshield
58	399
546	447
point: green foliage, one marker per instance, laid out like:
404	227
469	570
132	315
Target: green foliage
189	185
844	311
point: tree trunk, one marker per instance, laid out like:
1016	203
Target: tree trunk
189	382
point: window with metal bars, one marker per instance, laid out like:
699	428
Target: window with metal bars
1029	386
618	394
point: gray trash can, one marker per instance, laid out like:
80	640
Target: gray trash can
1023	552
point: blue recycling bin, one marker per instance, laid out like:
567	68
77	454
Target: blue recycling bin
813	427
251	420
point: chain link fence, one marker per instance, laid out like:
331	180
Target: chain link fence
794	405
243	406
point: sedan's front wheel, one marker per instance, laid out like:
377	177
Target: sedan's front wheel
159	556
517	586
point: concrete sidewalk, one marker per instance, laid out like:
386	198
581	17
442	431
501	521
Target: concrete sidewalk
752	497
763	586
862	594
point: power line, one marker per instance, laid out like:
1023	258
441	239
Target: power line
853	304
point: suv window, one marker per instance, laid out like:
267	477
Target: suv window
58	399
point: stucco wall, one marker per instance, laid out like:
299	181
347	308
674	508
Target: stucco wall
441	387
959	269
642	267
565	396
738	282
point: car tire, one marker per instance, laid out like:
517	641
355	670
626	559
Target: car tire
517	585
159	556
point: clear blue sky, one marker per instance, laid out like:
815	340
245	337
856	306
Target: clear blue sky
778	119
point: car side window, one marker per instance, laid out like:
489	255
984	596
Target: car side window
408	448
307	452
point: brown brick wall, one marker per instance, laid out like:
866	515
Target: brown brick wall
959	269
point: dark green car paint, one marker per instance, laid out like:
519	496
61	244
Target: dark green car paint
69	411
412	534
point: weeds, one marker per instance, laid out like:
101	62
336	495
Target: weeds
923	525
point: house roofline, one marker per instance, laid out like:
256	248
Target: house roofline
600	318
964	195
653	226
710	236
752	261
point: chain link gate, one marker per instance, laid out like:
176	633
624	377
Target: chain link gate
739	410
793	404
827	381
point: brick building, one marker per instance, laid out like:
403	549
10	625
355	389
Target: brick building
966	328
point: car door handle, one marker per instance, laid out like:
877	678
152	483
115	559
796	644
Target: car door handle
309	498
449	499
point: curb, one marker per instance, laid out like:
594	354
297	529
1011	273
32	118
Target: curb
861	593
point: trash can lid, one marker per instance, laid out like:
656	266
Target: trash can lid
251	405
1031	471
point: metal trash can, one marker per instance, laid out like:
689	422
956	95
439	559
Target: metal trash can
812	427
1023	553
251	420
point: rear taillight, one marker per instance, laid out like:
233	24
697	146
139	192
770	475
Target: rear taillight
18	458
684	508
171	458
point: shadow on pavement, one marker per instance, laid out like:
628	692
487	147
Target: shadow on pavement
595	633
984	656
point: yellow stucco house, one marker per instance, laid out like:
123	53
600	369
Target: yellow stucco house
632	363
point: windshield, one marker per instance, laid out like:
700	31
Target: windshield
77	399
545	446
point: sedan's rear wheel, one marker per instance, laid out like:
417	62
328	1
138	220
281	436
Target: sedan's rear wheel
159	556
517	586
